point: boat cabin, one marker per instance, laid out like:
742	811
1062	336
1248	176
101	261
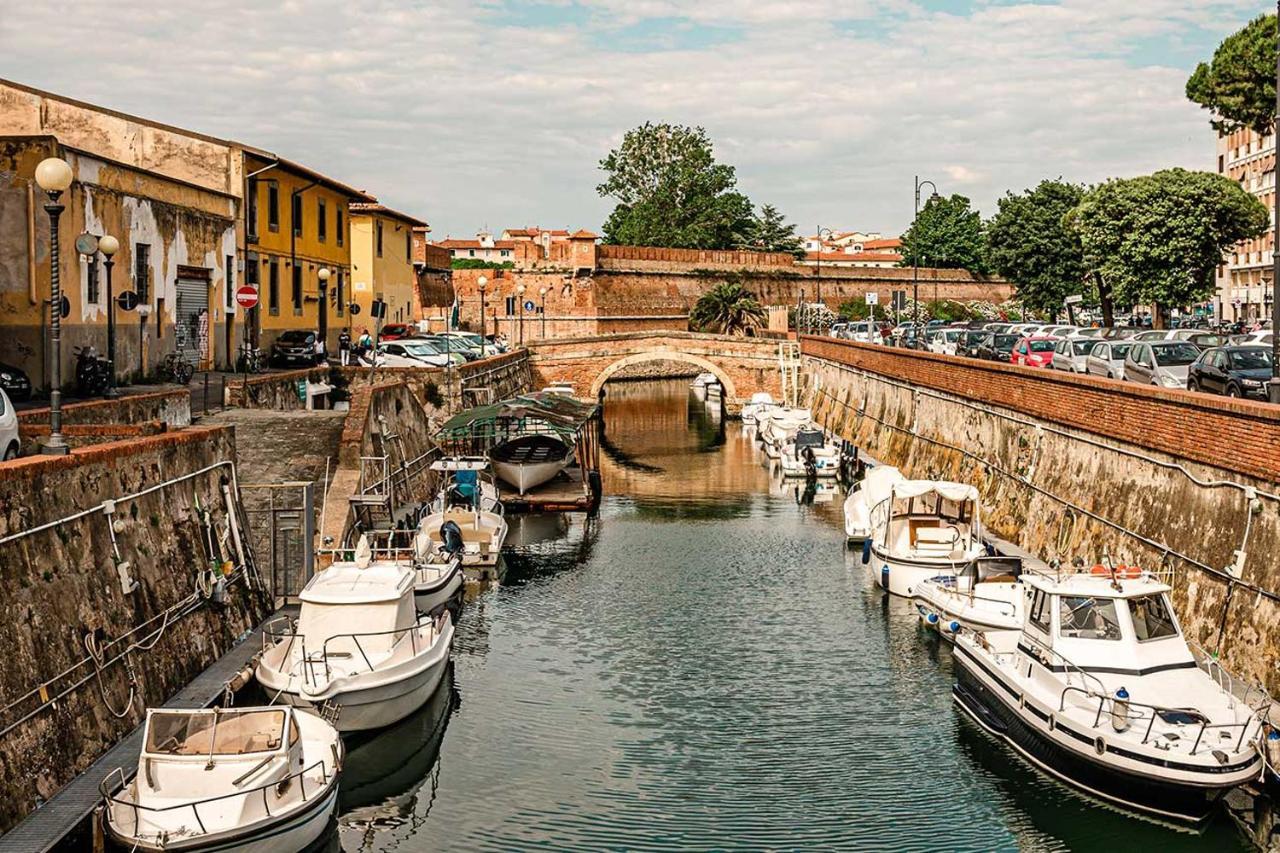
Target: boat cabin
355	615
928	519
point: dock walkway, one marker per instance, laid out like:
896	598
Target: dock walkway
48	825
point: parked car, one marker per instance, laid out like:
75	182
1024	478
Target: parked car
998	328
998	347
15	382
396	331
972	341
1163	363
296	346
1234	371
863	331
452	345
1262	337
410	352
1070	353
1123	333
1106	358
837	330
1207	340
946	341
1034	351
10	441
1094	332
1060	331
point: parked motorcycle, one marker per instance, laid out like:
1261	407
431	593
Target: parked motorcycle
93	373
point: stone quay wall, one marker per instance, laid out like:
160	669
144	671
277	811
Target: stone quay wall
59	710
1075	467
277	391
171	406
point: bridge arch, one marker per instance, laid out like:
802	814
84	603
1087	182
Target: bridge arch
730	389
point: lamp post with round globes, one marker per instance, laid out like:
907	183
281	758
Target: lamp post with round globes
481	282
520	299
108	246
543	294
915	267
54	176
323	275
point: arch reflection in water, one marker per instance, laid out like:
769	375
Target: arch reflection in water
390	777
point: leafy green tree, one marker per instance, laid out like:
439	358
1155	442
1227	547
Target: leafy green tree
1029	244
1238	86
480	264
769	231
947	234
672	192
727	308
1158	239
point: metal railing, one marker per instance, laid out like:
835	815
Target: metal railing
327	772
1107	705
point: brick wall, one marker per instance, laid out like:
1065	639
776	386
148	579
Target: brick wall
173	407
610	257
1238	435
278	390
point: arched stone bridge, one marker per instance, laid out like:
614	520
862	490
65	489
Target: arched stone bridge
743	365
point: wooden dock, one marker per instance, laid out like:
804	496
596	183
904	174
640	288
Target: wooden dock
569	491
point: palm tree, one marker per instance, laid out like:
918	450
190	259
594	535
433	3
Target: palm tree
728	308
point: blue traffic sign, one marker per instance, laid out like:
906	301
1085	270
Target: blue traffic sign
528	305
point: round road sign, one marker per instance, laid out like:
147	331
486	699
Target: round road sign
528	305
128	300
353	308
247	296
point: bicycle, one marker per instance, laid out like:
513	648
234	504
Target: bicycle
250	360
176	368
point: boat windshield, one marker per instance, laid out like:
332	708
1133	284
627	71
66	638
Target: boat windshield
1086	618
222	733
1151	618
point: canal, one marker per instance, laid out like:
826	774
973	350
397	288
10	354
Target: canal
704	666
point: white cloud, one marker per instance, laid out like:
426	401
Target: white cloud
467	115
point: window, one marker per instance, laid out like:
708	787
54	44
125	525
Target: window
296	289
408	246
142	272
322	221
273	286
92	289
339	230
251	211
339	296
1040	611
1151	618
378	229
296	212
1085	618
231	282
273	206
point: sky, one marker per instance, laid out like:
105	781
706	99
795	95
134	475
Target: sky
496	113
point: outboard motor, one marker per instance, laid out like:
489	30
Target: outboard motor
810	464
451	538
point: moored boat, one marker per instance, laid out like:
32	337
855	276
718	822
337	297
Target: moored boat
779	425
922	529
249	780
865	494
359	645
760	402
1100	690
808	453
984	595
528	461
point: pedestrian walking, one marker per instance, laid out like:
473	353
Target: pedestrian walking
344	347
319	349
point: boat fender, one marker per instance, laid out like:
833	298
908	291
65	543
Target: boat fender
884	576
1273	750
1120	711
932	618
953	626
451	537
866	551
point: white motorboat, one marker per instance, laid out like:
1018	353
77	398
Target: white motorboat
779	425
250	780
465	480
760	402
866	493
924	528
359	645
437	579
808	453
985	595
528	461
480	535
703	382
1100	690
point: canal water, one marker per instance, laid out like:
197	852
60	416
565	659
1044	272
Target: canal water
704	666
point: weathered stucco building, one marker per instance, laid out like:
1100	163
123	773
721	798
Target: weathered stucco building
383	262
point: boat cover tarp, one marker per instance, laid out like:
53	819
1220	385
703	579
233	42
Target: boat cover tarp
529	413
954	492
871	492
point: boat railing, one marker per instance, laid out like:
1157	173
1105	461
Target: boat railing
309	662
1254	696
1134	711
1007	608
1051	657
328	769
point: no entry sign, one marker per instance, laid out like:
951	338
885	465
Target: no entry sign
247	296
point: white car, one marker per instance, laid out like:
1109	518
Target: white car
1262	337
1069	354
1107	359
864	332
410	353
1162	363
10	442
947	341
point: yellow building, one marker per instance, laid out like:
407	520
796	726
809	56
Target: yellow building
382	263
296	224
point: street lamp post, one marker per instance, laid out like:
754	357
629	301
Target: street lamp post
481	282
108	246
323	331
915	265
520	299
54	176
818	275
543	294
1273	388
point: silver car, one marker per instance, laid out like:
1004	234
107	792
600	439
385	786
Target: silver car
1069	354
1162	363
1107	359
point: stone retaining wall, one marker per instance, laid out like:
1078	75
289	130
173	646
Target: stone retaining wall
278	391
172	406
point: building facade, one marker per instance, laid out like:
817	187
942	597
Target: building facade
382	263
1244	279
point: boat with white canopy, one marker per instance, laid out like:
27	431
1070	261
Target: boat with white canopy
760	402
984	595
865	494
359	645
779	425
1100	689
250	780
922	529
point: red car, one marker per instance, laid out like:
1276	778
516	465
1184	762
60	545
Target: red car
1034	351
396	331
